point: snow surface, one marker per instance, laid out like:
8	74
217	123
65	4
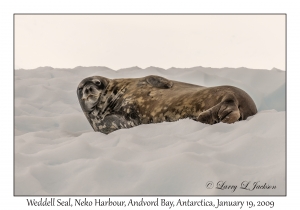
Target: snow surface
58	153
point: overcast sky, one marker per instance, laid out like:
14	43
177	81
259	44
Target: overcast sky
121	41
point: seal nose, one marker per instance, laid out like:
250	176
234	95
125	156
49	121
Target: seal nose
88	90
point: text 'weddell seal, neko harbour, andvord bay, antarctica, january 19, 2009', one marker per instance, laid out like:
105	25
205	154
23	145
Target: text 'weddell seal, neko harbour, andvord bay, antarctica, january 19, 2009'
112	104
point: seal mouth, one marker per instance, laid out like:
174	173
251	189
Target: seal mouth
89	96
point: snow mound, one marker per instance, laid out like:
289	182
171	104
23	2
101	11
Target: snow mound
58	153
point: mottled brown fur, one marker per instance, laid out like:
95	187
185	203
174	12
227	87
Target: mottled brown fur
125	103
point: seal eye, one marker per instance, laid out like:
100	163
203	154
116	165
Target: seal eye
98	83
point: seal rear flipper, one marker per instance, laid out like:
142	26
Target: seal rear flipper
159	82
225	111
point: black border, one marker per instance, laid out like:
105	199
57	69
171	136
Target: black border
285	14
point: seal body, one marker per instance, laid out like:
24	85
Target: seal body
110	105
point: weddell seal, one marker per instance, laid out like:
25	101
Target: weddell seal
112	104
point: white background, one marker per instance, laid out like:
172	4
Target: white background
165	41
6	43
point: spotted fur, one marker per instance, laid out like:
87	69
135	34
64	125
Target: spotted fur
110	105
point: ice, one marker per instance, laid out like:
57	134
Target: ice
58	153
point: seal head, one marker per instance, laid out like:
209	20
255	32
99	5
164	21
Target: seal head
89	91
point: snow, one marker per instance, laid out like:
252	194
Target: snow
58	153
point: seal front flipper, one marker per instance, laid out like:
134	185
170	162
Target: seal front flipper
115	122
159	82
